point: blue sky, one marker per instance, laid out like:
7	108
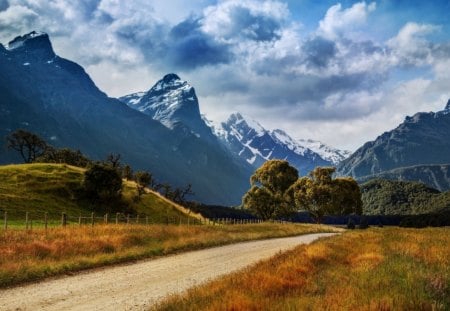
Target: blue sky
338	71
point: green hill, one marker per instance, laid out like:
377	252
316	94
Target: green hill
57	188
390	197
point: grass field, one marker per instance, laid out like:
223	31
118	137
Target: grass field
55	188
32	255
375	269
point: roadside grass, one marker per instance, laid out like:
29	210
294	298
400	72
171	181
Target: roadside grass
56	188
37	254
375	269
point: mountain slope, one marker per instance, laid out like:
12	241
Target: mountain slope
56	99
56	188
434	176
247	139
422	139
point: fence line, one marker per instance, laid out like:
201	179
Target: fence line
43	219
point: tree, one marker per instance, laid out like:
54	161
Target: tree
102	182
113	159
320	194
64	155
267	196
127	172
143	179
29	145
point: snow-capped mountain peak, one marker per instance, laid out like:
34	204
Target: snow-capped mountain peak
333	155
170	101
173	102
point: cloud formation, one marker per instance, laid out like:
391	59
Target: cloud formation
250	55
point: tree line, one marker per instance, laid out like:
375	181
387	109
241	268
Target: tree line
102	179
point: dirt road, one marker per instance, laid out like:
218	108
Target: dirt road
139	285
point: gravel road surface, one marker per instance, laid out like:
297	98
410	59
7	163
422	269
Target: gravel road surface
139	285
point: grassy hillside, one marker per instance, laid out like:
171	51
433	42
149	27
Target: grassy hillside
376	269
57	188
390	197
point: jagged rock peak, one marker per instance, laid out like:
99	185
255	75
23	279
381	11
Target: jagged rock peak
170	77
33	46
25	39
448	105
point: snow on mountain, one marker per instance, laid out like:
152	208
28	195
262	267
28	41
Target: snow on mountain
246	138
328	153
172	102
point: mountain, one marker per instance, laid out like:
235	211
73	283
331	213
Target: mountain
421	140
174	103
247	139
55	98
434	176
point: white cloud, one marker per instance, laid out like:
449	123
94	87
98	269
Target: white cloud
15	20
233	20
338	21
410	47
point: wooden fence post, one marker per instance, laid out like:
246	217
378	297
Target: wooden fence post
26	220
128	218
5	220
137	218
64	219
79	220
106	218
92	219
146	220
45	220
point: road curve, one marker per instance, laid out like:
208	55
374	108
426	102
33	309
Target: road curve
137	286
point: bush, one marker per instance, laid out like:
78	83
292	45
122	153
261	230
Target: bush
102	183
363	223
350	224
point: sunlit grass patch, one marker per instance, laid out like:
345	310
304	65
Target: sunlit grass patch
375	269
30	255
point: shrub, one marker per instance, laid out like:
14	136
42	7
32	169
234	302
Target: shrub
363	223
350	224
102	183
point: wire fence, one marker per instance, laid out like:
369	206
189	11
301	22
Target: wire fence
28	220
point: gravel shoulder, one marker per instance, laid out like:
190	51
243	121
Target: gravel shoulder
138	286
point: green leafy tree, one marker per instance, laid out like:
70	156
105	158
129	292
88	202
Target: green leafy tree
320	194
267	196
102	182
29	145
64	155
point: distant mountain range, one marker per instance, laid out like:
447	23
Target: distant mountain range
418	149
174	103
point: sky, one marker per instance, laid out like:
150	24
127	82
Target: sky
339	72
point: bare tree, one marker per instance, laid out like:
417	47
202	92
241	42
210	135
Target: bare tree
29	145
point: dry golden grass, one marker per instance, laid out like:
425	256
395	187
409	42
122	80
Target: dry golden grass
376	269
32	255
